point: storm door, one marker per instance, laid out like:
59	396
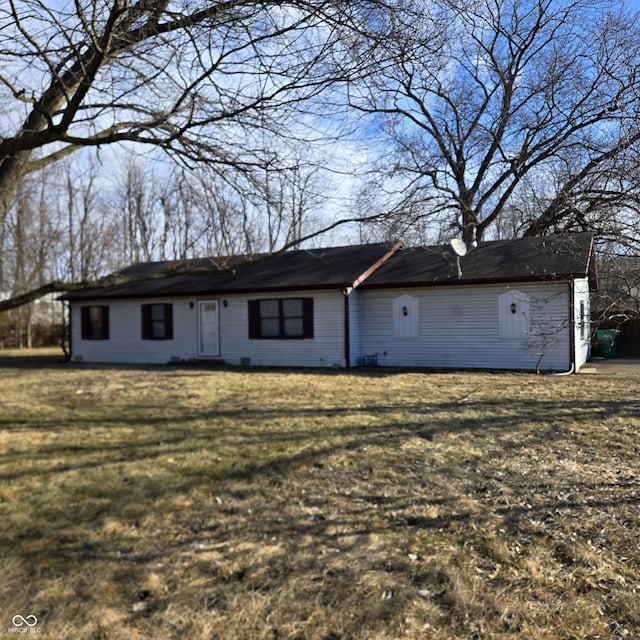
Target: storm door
208	328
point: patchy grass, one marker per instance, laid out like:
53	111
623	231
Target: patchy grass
196	504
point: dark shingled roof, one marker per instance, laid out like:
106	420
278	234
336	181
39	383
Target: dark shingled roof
528	259
332	268
556	257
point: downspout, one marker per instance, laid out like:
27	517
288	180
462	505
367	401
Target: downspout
347	343
346	292
572	325
572	339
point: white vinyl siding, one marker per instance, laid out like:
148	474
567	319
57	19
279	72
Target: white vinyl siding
458	327
125	342
325	349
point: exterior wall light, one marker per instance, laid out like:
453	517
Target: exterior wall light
405	311
513	307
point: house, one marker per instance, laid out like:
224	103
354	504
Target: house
507	304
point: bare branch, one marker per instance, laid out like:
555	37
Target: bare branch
482	100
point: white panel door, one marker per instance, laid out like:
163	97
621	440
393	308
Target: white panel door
208	328
514	316
405	317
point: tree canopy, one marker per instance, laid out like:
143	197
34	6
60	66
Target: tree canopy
520	116
202	80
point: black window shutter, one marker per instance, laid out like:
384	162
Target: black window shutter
105	322
168	321
145	316
254	319
307	317
84	323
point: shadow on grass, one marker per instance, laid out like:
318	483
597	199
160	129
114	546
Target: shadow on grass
180	432
31	360
301	480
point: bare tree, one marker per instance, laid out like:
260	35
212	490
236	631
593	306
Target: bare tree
179	213
486	99
290	199
618	296
92	238
194	79
135	206
259	215
32	235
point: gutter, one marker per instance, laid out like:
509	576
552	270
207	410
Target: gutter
572	335
453	282
347	340
572	328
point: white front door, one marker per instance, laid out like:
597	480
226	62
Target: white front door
208	329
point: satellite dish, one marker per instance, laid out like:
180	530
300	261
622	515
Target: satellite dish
459	247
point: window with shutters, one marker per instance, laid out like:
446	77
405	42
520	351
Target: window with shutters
95	322
157	321
281	319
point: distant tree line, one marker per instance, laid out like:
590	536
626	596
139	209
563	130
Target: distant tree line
77	223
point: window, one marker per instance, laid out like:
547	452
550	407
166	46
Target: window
95	322
157	321
284	318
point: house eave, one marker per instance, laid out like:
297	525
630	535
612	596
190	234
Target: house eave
301	270
457	282
201	293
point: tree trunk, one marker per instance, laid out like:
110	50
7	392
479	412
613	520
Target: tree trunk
12	172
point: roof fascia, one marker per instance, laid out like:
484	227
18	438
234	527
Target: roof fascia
211	293
477	281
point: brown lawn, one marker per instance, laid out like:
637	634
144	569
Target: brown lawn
183	503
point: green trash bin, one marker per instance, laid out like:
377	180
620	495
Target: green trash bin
608	342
